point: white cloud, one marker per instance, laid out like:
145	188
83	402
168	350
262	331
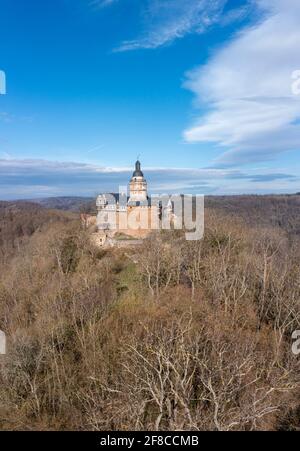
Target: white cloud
41	178
167	20
247	87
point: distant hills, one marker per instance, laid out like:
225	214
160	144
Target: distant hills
281	211
84	204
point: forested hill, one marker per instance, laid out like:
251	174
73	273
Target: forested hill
171	335
20	220
264	211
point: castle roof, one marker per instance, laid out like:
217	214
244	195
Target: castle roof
114	198
138	172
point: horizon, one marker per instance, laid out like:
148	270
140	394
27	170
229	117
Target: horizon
207	93
89	198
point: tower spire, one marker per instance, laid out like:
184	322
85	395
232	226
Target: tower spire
138	172
137	165
138	185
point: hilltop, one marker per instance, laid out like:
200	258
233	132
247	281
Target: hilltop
171	335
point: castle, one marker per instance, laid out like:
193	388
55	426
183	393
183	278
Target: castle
121	217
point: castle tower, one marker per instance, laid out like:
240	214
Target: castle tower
138	185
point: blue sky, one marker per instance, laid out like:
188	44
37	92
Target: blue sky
200	89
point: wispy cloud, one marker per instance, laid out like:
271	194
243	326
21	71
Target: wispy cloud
246	86
101	3
40	178
6	117
167	20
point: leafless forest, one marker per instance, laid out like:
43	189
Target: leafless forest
171	335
